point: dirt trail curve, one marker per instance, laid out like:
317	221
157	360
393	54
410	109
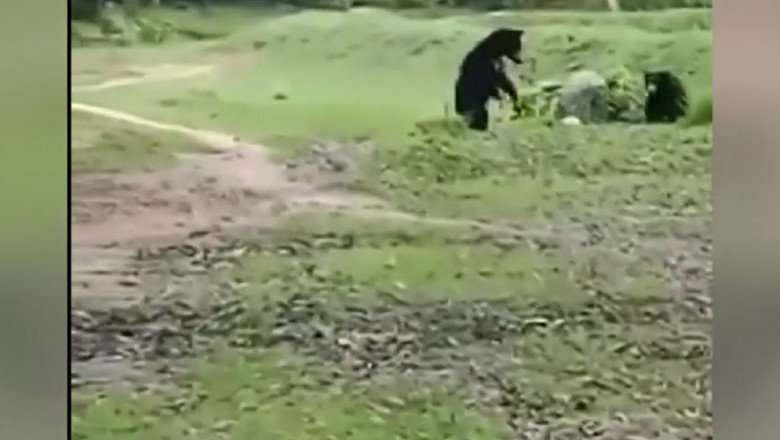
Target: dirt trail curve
233	185
245	170
158	73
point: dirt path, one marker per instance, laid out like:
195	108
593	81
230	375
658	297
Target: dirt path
235	185
163	72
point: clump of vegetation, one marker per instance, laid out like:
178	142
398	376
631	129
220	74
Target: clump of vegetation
625	92
124	26
538	102
624	96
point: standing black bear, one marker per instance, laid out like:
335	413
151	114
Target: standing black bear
667	100
482	75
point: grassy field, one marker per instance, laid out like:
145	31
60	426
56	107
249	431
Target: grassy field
319	58
542	281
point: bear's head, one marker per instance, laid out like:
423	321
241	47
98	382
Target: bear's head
507	42
658	81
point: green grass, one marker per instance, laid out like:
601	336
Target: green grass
597	337
259	396
606	341
431	271
577	262
538	171
701	112
373	72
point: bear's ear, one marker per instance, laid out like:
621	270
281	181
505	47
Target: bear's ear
510	32
656	72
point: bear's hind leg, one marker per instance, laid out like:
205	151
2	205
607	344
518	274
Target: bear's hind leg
478	119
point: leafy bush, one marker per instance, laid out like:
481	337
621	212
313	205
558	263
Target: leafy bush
626	92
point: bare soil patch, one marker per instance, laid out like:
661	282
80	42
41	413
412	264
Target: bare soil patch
204	192
127	75
143	74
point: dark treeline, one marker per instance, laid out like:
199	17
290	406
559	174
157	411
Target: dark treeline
90	9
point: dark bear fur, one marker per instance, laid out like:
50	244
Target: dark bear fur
667	99
482	75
